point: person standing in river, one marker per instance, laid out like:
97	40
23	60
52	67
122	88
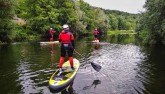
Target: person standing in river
66	40
51	32
96	32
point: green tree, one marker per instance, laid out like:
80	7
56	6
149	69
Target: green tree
121	23
101	20
80	24
41	15
6	15
79	15
153	21
119	20
113	21
94	17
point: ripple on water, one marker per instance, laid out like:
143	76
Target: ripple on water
32	78
121	71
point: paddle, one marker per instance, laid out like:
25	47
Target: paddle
94	65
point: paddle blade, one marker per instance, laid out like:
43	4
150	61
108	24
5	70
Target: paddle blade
96	66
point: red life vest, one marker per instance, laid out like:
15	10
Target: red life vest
95	32
51	32
66	37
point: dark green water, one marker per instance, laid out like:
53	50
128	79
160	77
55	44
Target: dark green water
127	67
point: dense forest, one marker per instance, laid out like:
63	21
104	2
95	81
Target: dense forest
6	13
37	16
151	25
40	15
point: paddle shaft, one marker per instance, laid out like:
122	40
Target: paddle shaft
78	53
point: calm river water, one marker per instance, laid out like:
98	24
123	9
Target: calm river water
127	67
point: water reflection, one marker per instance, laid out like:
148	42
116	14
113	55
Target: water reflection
51	49
154	69
122	39
68	90
30	71
126	68
96	46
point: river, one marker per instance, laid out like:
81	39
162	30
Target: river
127	67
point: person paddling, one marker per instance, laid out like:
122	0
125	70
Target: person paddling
66	40
51	32
95	32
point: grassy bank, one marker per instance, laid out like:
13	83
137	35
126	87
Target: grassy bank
121	32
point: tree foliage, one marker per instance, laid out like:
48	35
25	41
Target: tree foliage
6	14
153	21
43	14
40	15
121	20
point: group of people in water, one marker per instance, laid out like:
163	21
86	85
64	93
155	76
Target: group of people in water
66	39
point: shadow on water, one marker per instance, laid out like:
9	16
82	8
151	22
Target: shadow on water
127	68
94	84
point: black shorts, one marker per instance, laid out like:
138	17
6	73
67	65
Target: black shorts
68	50
50	35
96	36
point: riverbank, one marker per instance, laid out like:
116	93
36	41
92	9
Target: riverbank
121	32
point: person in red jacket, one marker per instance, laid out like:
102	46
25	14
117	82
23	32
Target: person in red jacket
51	32
66	39
95	32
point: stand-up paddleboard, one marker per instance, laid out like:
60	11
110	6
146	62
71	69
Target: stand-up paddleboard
49	42
59	81
95	41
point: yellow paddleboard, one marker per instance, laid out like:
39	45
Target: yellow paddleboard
62	80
